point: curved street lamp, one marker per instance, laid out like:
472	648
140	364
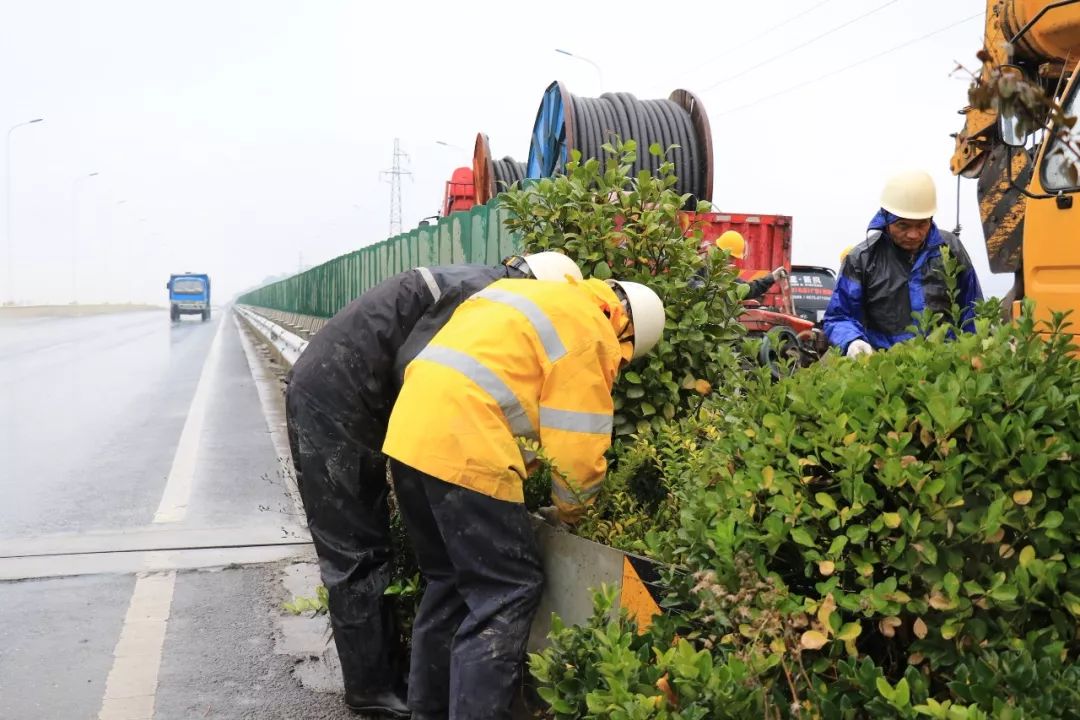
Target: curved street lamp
582	58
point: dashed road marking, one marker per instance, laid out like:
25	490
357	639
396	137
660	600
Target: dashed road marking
131	687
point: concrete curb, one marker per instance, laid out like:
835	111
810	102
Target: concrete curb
306	637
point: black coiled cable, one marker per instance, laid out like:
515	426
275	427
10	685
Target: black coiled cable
664	122
507	172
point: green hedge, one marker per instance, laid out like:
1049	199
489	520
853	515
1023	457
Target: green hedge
892	537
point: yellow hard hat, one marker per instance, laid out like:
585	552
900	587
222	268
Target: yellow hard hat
733	242
844	253
910	195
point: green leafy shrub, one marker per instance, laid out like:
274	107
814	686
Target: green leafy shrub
636	504
614	224
892	537
319	604
608	670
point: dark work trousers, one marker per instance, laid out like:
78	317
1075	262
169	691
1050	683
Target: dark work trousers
481	562
344	489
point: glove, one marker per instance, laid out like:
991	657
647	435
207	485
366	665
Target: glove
550	515
779	273
858	347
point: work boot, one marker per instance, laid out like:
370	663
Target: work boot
385	703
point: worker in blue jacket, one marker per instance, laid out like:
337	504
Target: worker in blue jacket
898	271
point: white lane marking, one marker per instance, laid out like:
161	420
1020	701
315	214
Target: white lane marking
131	687
174	500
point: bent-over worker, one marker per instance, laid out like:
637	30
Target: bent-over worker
339	398
517	362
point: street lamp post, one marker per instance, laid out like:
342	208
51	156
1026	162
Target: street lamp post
7	211
75	234
599	72
110	262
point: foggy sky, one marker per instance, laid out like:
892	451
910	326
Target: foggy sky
242	138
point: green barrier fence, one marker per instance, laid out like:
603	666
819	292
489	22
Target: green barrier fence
473	236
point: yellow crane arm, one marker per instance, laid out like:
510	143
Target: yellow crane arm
1049	38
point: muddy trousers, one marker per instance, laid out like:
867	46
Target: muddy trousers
482	566
343	486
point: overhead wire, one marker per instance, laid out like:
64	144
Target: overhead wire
850	66
801	45
754	38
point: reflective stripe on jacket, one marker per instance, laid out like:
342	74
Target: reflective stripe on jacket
881	285
347	369
520	360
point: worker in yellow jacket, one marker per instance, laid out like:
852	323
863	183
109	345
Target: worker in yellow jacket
519	360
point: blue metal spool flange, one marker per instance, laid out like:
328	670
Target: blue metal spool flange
553	133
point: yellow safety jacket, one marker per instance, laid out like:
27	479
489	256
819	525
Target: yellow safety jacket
521	359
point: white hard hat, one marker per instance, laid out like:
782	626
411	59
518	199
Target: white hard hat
910	195
646	313
550	265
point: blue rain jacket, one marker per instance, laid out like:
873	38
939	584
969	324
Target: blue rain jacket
881	285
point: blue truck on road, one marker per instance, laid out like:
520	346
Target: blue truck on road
189	294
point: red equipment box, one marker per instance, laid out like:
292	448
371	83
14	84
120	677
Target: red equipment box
460	191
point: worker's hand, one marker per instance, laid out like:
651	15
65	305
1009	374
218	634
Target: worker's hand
779	273
550	515
859	347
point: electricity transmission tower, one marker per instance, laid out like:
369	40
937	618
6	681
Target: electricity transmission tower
393	176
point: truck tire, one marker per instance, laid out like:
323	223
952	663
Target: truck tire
174	315
780	352
205	315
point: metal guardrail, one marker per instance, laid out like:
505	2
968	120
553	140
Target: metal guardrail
289	345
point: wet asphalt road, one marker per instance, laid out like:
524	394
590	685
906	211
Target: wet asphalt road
135	455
